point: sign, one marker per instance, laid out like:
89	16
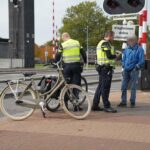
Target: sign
125	17
118	7
122	32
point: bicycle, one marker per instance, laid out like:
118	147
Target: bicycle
54	104
25	98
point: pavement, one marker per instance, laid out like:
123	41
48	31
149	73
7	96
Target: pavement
129	129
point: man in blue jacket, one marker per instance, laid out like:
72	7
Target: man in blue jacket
132	62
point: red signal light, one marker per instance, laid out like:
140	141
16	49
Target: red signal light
134	3
113	4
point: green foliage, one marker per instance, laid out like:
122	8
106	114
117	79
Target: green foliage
50	43
85	14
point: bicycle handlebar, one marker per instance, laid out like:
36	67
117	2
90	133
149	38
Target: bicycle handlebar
54	64
58	63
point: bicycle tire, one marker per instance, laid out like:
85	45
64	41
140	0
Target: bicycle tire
85	84
67	110
21	116
54	109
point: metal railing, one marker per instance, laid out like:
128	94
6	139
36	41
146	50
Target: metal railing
86	75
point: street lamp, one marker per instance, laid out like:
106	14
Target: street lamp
87	40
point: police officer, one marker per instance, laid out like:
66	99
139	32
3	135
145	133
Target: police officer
105	65
70	52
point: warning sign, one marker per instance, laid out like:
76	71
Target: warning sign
122	32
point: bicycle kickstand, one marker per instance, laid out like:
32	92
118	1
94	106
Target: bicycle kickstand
43	109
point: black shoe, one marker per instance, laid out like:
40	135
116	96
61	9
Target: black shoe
123	105
132	105
77	108
97	109
110	110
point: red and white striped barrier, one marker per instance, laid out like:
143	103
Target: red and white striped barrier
144	35
56	38
53	43
140	28
143	27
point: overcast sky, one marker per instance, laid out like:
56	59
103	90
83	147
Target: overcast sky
43	17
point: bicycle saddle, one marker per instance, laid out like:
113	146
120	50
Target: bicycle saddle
29	74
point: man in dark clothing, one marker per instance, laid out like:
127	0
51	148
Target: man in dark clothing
105	60
71	51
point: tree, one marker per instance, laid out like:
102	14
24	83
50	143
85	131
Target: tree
37	51
86	14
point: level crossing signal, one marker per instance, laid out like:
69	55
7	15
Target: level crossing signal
116	7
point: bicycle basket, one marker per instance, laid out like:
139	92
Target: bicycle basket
53	83
44	84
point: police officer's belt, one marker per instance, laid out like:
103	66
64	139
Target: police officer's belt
108	66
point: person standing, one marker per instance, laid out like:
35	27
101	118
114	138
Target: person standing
105	60
132	62
70	52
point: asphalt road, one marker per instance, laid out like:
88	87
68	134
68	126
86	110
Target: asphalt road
129	129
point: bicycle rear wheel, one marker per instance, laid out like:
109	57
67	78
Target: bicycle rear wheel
53	105
75	102
15	108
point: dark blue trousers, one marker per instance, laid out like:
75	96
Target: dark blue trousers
103	89
128	76
73	72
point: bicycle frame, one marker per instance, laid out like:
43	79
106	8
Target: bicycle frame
60	82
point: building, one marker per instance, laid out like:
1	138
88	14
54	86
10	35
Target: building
18	51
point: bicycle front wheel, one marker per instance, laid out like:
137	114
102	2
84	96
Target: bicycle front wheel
16	107
84	84
75	101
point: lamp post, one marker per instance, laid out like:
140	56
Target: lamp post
87	42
